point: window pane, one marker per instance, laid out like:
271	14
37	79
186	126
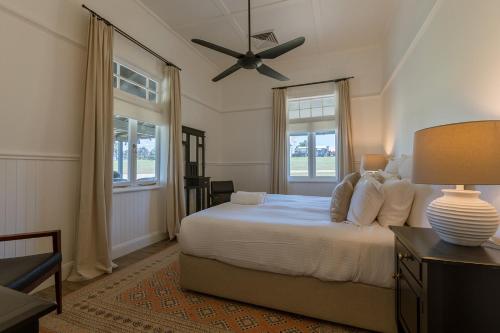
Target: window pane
115	66
305	104
152	85
329	111
317	112
132	76
120	151
146	151
294	114
299	165
293	106
305	113
316	103
114	81
133	89
152	97
328	101
325	154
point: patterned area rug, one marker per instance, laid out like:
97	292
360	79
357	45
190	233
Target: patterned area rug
146	297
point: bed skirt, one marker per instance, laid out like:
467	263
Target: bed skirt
348	303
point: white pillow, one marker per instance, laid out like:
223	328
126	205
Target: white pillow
405	167
398	199
392	166
366	201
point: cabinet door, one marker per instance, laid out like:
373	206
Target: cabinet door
409	302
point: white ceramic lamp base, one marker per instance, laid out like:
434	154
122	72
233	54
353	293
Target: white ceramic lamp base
461	217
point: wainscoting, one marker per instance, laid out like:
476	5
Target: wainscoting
138	220
38	193
41	192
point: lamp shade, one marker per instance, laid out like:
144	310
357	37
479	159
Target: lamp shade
373	162
458	154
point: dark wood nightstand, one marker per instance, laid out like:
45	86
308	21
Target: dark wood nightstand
441	287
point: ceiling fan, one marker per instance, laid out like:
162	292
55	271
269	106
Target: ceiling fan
249	60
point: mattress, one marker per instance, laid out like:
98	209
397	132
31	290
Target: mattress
291	235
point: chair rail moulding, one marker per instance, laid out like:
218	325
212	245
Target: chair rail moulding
39	156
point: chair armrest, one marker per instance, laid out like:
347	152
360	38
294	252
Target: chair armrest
55	234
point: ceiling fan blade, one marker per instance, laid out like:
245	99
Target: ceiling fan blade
281	49
227	72
217	48
268	71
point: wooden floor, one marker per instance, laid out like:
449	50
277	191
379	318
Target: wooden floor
122	262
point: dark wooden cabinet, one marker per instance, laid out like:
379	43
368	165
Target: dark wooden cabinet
193	141
441	287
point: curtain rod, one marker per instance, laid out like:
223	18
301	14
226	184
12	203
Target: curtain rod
130	38
317	82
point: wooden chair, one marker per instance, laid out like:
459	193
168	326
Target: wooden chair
28	272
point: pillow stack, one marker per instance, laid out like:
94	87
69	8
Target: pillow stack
366	200
398	199
380	195
401	166
341	197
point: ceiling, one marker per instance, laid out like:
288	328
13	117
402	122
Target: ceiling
327	25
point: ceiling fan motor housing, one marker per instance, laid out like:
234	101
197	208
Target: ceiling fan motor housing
250	61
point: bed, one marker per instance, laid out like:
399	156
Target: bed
287	254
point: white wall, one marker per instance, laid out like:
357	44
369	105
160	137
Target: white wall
41	94
246	117
450	73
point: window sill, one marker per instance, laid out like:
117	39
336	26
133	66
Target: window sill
126	189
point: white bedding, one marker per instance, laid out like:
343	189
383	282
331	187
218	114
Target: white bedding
291	235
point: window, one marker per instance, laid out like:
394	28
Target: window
135	83
146	152
312	138
139	141
121	150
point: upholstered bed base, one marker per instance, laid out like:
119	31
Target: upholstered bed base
348	303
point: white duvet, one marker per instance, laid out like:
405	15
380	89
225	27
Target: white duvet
292	235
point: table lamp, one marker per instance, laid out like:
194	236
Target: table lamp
373	162
459	154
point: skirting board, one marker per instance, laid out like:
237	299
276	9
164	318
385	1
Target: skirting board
132	245
116	252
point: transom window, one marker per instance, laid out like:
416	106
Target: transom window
135	155
310	107
135	83
312	138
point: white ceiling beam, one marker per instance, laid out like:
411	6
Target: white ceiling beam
277	3
316	8
242	34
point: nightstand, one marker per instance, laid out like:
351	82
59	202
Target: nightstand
441	287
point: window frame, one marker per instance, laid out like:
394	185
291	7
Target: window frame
311	139
311	158
131	98
128	182
132	156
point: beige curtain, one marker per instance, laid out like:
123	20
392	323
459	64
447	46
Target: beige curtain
279	143
175	174
345	152
93	251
